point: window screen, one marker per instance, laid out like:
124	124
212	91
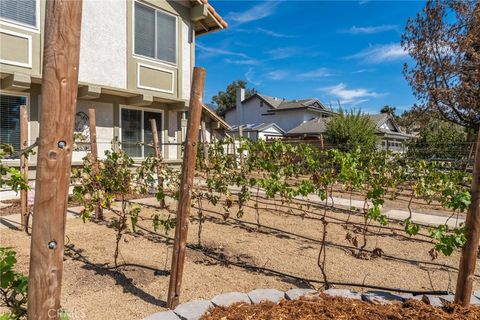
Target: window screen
155	33
10	119
24	11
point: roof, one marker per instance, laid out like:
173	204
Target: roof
211	22
319	125
257	127
281	104
213	115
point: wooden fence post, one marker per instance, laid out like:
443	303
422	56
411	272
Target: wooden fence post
59	101
204	142
186	187
468	260
94	152
24	166
158	154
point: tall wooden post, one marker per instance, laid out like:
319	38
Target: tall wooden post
322	146
94	153
24	165
59	99
468	260
186	186
158	154
204	142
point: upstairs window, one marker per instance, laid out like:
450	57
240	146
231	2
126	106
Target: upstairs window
22	12
155	33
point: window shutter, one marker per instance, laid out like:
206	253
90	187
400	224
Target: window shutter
24	11
144	30
10	120
166	42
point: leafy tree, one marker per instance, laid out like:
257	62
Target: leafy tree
351	130
389	110
440	140
444	42
225	100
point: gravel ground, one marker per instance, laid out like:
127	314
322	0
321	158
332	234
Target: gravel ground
91	291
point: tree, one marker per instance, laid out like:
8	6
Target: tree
225	100
389	110
351	130
444	42
441	140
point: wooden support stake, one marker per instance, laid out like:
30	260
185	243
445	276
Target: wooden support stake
158	154
59	99
322	146
186	187
204	143
240	138
468	260
24	166
94	153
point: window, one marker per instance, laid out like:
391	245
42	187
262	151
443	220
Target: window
23	12
155	33
137	131
10	119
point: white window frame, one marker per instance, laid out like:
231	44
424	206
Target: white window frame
27	102
168	63
30	45
24	26
162	112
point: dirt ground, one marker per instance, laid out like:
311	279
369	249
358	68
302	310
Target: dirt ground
235	256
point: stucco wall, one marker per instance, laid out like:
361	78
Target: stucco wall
186	65
103	49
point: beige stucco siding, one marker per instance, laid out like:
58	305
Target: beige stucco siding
103	49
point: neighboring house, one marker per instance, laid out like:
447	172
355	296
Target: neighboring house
390	135
255	132
261	109
136	62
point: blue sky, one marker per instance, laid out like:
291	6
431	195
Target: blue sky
347	51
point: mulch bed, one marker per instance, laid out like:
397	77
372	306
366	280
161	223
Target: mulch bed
327	307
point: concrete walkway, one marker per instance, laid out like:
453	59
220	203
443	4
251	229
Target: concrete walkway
13	221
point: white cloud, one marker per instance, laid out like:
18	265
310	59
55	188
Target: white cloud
350	96
282	53
242	61
277	75
364	70
211	52
370	29
257	12
274	34
249	76
380	53
317	73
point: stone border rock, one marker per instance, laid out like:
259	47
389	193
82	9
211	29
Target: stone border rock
194	310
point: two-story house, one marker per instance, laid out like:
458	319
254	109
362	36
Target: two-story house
273	112
136	62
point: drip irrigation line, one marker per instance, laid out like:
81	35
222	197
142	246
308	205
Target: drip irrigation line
265	270
331	244
345	247
343	222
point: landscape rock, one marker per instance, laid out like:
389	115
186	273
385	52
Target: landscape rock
344	293
432	300
193	310
406	296
476	293
296	293
475	300
381	297
227	299
272	295
165	315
